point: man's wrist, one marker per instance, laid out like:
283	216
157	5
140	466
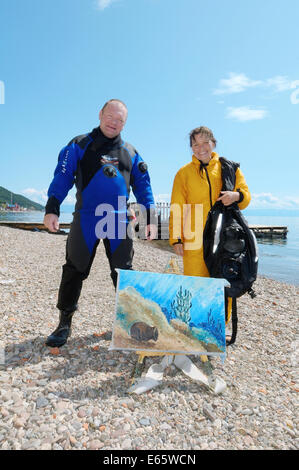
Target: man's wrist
53	206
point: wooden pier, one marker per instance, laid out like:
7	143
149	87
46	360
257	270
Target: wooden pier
270	231
260	231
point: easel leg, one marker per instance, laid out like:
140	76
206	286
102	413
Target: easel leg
138	369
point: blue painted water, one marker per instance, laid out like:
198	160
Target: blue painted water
278	259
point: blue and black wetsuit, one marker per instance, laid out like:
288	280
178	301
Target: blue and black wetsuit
103	171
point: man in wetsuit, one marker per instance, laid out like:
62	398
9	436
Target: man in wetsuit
103	167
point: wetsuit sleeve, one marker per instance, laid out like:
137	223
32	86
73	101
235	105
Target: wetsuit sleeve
141	186
63	179
178	199
242	188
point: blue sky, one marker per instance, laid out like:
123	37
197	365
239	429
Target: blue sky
232	66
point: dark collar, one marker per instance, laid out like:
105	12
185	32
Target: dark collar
100	140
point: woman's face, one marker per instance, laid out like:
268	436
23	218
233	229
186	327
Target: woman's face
202	148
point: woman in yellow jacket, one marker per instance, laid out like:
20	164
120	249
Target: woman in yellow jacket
196	188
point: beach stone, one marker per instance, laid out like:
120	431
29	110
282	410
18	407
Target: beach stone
145	421
117	433
81	413
32	444
19	423
165	427
76	425
44	428
127	444
247	412
4	412
41	402
95	411
61	406
217	423
57	447
62	429
208	412
5	395
46	446
248	441
96	445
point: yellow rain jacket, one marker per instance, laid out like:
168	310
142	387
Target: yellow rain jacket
191	200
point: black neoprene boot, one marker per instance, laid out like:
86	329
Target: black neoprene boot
59	337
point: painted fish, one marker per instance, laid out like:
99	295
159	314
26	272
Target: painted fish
143	332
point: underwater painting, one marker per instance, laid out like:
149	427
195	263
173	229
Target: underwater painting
169	313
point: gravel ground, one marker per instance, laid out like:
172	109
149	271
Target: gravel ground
76	397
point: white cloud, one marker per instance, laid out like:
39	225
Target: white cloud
40	196
236	83
102	4
279	83
245	113
269	201
36	195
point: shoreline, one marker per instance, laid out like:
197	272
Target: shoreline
164	246
20	212
77	397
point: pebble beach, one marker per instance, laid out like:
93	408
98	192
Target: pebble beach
76	397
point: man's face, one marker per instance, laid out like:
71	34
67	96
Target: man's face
113	119
202	147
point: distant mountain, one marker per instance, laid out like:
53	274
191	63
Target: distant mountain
7	196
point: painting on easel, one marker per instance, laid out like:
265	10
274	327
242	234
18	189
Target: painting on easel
169	313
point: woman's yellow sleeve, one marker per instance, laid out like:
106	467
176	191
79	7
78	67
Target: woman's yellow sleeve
178	199
243	188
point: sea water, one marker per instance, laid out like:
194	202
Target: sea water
278	258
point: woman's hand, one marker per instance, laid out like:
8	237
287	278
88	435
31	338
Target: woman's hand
229	197
178	249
